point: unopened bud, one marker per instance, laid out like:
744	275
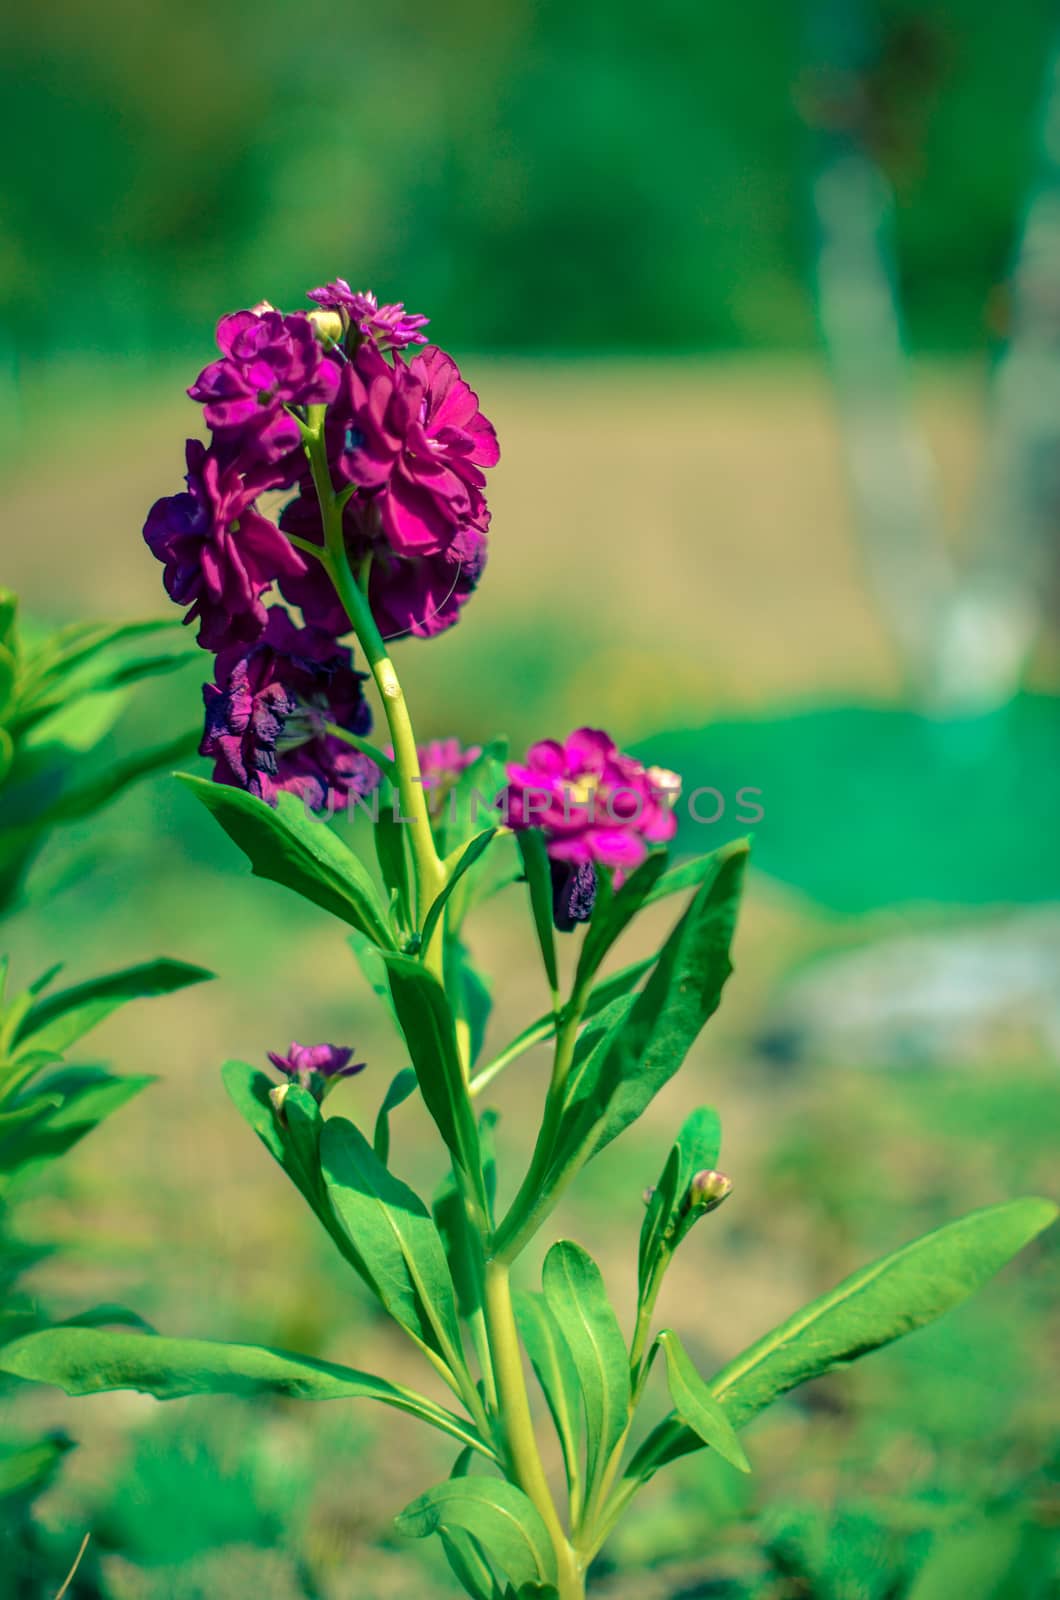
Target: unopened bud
649	1194
666	785
278	1095
329	325
707	1190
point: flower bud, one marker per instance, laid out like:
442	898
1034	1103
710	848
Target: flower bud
707	1190
278	1095
328	325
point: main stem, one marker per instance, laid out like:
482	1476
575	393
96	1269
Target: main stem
504	1355
429	872
521	1441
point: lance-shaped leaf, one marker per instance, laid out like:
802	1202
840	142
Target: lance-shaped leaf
94	1360
500	1518
697	1406
620	1067
894	1296
463	1246
554	1367
55	1023
26	1470
577	1298
85	1096
284	844
427	1023
539	882
395	1236
464	859
293	1141
401	1087
393	861
614	911
697	1149
616	987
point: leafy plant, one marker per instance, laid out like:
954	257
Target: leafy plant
58	698
388	528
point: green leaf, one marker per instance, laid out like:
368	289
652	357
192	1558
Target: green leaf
455	869
85	799
395	1237
373	970
697	1149
473	994
427	1023
393	861
8	678
293	1141
612	988
554	1367
26	1470
498	1515
86	1095
463	1247
401	1087
55	1023
697	1406
614	911
577	1298
8	619
95	1360
539	882
622	1064
687	875
285	845
892	1297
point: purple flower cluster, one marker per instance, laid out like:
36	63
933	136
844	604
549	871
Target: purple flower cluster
412	439
406	438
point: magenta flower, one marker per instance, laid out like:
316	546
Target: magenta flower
390	327
414	433
268	362
316	1066
443	760
268	711
592	803
418	595
219	553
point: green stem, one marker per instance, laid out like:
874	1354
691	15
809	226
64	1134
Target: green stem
430	874
520	1440
534	1200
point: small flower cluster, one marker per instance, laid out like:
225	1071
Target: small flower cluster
315	1067
595	807
407	444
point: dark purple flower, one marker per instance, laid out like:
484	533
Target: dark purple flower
419	595
390	327
573	893
268	362
592	803
267	716
219	553
316	1066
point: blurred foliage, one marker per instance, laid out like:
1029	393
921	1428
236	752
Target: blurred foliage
532	175
908	802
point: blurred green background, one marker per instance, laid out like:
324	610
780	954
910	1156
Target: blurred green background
613	216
